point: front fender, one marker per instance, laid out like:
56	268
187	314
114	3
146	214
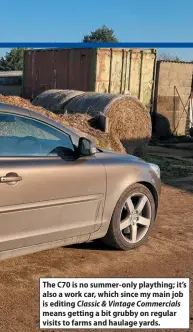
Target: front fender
119	181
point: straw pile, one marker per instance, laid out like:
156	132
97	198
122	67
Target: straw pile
129	121
54	100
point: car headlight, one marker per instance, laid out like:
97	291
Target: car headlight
156	169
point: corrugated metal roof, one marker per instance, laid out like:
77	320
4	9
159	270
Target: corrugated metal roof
14	73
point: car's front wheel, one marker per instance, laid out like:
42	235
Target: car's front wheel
132	218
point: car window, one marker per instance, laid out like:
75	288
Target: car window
20	136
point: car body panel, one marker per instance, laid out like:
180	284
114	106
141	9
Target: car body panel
51	202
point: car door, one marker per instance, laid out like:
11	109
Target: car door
44	197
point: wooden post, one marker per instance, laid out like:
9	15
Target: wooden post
104	122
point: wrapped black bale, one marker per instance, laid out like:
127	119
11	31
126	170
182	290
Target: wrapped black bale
161	126
191	131
129	121
54	100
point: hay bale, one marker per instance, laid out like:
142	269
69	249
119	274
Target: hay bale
129	121
91	103
54	100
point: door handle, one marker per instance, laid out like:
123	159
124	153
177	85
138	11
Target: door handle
10	178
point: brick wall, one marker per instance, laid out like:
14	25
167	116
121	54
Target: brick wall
167	101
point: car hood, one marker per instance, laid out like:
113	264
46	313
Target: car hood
119	157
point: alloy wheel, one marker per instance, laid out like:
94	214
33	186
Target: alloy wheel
135	217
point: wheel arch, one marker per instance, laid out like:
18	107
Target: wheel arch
153	192
102	231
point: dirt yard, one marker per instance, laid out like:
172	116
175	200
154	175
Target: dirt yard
168	253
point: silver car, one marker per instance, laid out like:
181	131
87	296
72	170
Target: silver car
57	189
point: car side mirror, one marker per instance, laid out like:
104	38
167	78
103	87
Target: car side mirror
86	147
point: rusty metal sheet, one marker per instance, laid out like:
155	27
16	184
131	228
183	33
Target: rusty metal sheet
58	69
80	65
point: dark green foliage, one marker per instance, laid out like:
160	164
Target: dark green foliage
13	60
103	34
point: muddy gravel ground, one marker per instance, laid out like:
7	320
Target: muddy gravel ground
167	253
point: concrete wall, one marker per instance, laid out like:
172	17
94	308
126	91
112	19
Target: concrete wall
167	101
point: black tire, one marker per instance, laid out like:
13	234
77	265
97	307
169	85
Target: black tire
114	237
